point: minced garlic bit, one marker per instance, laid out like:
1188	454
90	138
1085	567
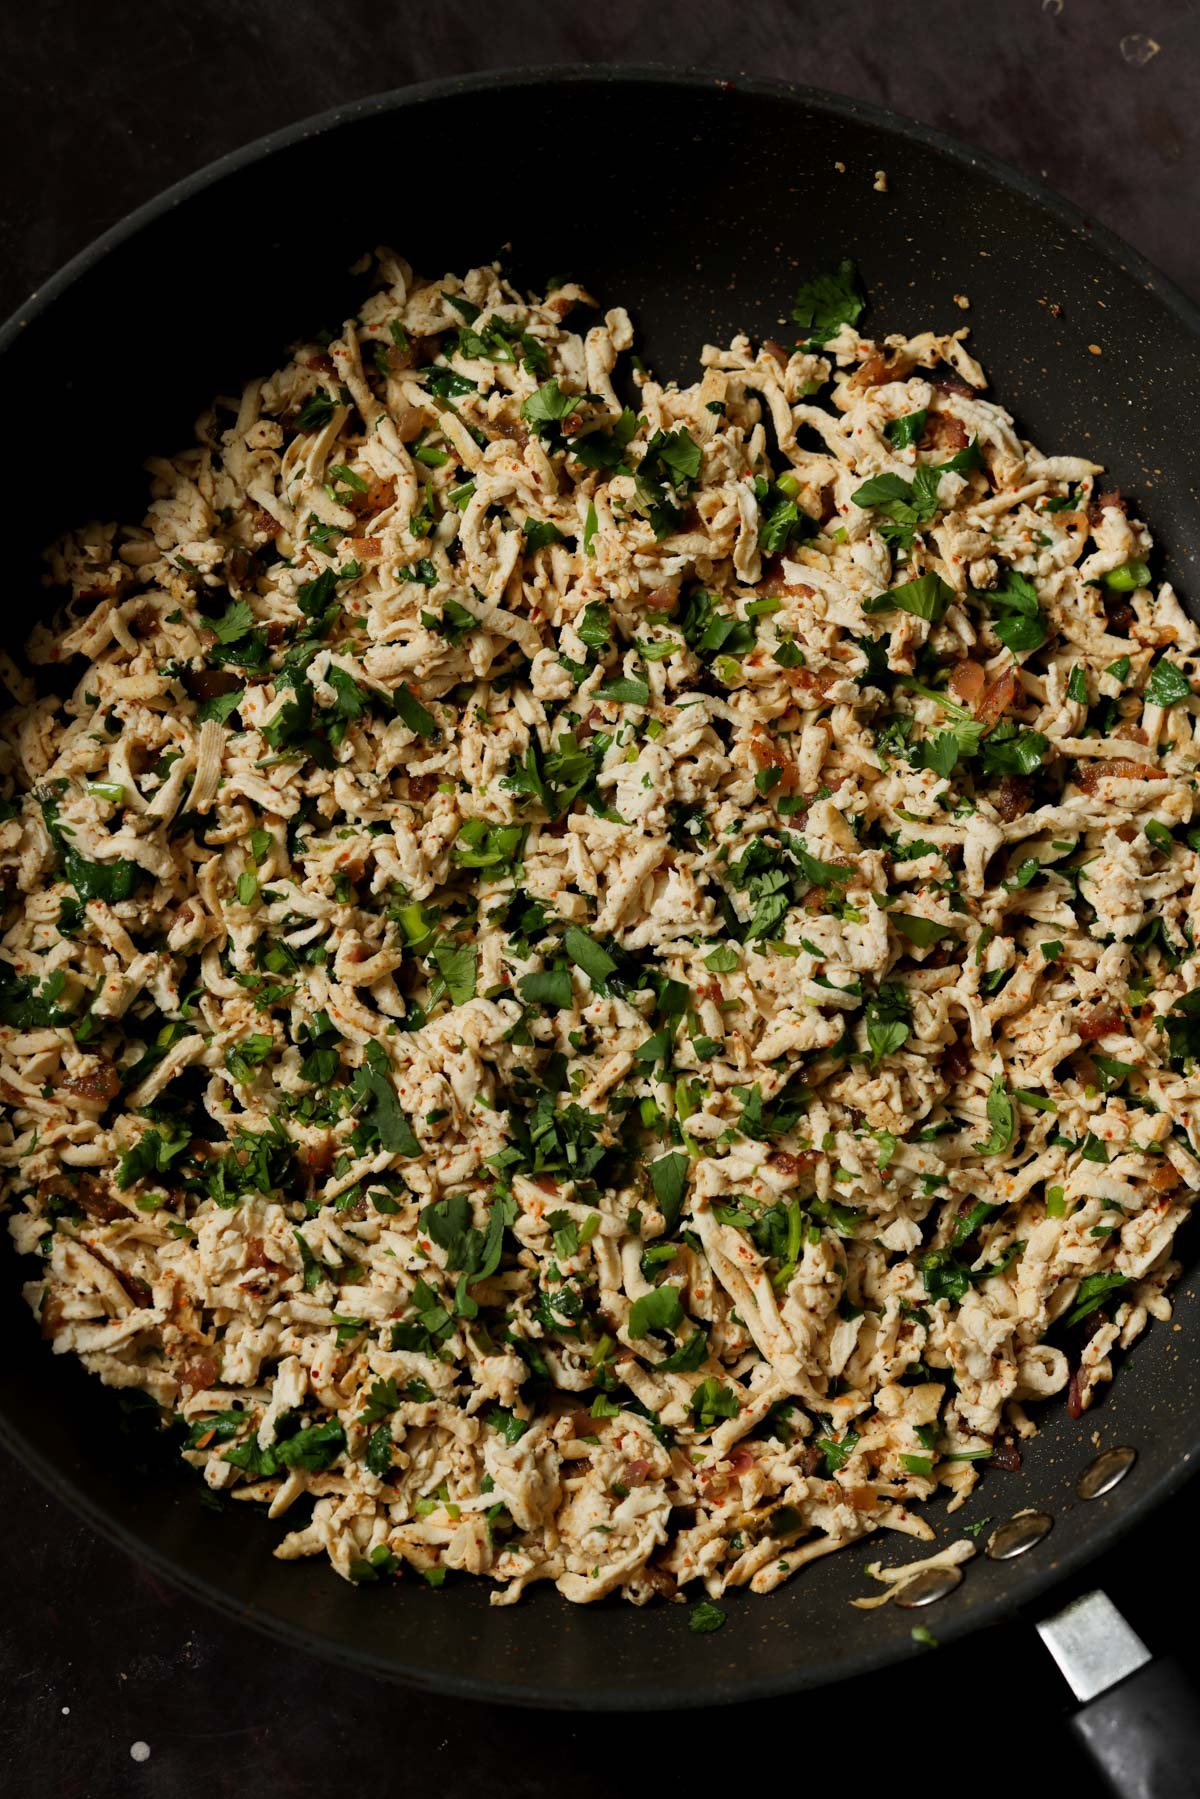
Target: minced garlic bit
962	301
880	183
593	993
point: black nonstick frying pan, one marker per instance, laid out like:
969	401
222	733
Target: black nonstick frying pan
701	204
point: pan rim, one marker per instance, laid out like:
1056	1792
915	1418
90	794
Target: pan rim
525	1692
1115	247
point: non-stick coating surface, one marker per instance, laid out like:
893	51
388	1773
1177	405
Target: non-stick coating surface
700	205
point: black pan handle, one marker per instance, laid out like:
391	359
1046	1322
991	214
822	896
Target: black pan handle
1144	1734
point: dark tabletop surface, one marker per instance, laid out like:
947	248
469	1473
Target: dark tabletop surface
101	105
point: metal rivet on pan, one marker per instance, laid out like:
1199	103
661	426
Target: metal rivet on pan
924	1589
1102	1475
1019	1534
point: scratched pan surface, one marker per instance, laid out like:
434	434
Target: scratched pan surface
700	205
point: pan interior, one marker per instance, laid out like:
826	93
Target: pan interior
700	205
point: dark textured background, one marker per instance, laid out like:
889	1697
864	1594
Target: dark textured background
101	105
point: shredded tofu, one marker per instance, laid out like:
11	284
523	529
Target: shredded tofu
592	992
895	1580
